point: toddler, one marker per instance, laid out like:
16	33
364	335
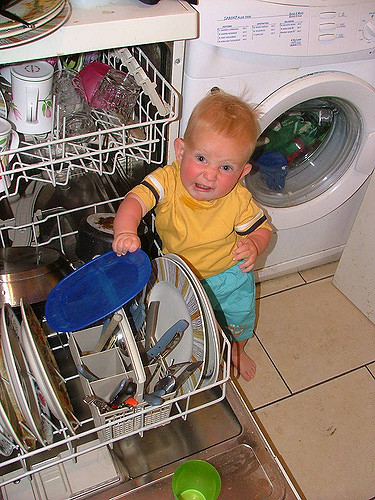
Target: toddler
204	213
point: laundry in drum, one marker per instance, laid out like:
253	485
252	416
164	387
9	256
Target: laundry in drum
273	169
296	133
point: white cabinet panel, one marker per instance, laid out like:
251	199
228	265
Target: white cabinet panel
355	275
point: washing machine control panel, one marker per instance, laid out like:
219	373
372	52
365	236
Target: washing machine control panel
285	29
346	28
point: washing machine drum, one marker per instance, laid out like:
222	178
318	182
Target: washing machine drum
302	153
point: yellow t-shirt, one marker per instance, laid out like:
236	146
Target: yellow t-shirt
203	233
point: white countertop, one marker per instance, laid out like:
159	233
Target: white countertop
117	24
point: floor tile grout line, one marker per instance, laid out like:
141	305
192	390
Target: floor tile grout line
273	363
368	369
319	279
302	278
271	294
305	389
294	286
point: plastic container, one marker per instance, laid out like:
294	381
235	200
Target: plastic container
196	480
88	80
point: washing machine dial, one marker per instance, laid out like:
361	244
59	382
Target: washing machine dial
369	30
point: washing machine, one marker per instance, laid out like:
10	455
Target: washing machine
308	67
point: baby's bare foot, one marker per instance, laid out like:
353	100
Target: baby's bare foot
244	364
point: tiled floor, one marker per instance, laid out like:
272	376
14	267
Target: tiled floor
314	391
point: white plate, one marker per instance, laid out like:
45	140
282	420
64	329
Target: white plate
22	385
15	141
36	33
178	300
10	414
47	428
8	418
28	11
212	359
44	367
6	444
7	174
18	30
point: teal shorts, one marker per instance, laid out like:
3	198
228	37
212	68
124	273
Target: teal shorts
232	296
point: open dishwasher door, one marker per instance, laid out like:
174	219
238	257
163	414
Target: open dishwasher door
225	434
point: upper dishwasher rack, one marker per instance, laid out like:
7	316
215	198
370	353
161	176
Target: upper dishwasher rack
54	158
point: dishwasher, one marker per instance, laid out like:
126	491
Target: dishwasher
129	453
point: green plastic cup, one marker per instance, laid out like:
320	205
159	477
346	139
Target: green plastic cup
196	480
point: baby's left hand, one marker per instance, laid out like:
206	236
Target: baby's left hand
248	252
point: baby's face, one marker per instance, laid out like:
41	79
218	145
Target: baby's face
211	164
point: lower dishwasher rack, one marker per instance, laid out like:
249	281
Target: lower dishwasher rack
70	448
66	449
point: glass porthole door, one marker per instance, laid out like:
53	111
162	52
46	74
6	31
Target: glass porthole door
315	143
304	152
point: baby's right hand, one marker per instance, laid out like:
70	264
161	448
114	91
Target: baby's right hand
126	242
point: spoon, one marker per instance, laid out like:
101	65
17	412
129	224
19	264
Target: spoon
152	399
164	385
125	388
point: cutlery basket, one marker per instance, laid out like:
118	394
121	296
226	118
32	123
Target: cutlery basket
110	367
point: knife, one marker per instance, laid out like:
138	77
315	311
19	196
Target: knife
168	340
116	318
151	321
176	368
14	17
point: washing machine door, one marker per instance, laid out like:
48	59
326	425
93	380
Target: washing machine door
316	148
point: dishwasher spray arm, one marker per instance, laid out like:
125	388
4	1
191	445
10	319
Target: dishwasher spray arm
142	79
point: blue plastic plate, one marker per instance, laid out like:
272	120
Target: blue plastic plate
95	290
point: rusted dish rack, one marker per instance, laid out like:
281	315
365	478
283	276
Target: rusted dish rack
110	147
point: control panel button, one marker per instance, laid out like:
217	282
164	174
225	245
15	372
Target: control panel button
327	26
327	37
327	15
